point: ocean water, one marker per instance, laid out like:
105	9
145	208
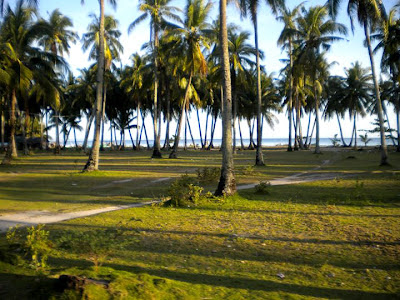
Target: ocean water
265	142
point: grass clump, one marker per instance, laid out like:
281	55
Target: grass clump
208	175
32	250
184	192
263	188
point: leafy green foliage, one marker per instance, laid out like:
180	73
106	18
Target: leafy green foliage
208	175
263	187
36	246
184	192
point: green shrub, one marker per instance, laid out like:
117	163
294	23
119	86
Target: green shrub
36	246
263	187
208	175
184	193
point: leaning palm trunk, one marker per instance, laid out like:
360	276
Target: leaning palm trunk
234	111
290	104
103	116
317	147
93	161
12	148
341	131
57	147
88	125
259	154
173	154
384	153
355	131
227	184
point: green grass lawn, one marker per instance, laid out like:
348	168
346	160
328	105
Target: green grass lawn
336	239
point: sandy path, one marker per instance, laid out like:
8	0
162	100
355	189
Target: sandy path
35	217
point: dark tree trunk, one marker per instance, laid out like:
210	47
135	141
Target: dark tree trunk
227	183
12	148
93	161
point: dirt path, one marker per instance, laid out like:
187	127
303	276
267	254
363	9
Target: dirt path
35	217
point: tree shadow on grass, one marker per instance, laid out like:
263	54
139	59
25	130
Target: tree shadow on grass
311	252
236	282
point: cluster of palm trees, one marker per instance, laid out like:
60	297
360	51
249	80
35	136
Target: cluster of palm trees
189	65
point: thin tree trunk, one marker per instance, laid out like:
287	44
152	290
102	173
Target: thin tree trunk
241	137
42	144
111	136
317	133
355	131
190	131
12	148
137	125
156	146
384	153
259	154
133	144
205	133
88	125
173	154
234	111
93	161
227	183
398	129
308	129
2	125
103	116
24	130
168	116
341	131
290	104
185	135
199	124
58	147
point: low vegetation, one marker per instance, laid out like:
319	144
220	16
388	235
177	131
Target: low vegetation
338	238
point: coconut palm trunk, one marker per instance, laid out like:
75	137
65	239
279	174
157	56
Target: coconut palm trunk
12	148
174	152
259	154
234	111
384	153
156	146
103	116
93	161
227	184
317	146
88	125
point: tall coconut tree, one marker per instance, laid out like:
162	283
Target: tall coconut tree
250	7
112	50
57	41
285	40
92	163
240	54
159	12
316	33
23	62
369	14
227	183
191	40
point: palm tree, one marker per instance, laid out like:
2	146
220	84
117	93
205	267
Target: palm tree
227	183
32	3
240	52
112	49
315	31
369	13
191	38
159	12
357	93
57	41
288	34
251	7
23	62
92	163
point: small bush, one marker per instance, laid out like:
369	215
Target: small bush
263	187
208	175
184	192
36	246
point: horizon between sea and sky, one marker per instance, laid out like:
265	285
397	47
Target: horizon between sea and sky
343	53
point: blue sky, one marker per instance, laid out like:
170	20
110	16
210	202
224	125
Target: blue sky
344	52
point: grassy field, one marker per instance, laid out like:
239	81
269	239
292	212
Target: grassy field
337	239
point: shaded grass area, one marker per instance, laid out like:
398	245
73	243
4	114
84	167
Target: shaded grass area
47	182
338	238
